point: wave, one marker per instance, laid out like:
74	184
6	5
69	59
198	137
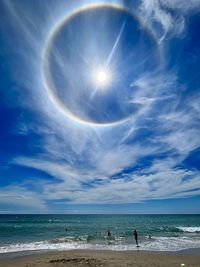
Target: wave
87	239
171	229
68	243
180	229
189	229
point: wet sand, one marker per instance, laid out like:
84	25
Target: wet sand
94	258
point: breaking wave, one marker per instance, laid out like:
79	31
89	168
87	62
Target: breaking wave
117	243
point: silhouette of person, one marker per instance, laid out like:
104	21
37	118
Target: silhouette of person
136	237
109	233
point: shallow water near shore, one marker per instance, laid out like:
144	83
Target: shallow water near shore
61	232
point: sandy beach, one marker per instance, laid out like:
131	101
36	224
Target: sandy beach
101	258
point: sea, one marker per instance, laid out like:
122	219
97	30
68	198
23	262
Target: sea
20	233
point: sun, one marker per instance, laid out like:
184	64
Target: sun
101	77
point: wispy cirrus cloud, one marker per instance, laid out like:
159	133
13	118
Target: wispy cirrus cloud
18	196
162	13
162	180
102	166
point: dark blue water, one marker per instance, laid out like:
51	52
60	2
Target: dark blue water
31	232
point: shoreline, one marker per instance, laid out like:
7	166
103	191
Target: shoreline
94	258
25	253
17	254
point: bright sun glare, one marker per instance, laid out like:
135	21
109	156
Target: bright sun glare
101	77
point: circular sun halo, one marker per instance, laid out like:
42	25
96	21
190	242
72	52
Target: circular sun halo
91	76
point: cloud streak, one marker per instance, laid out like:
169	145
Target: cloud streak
162	13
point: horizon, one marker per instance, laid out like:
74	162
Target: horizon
99	116
116	214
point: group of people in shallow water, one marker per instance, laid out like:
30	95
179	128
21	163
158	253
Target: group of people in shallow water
134	233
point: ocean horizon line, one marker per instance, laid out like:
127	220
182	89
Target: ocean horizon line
151	214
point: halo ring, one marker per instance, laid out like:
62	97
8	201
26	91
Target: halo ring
52	34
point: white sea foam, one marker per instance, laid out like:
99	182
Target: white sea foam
43	245
154	244
171	243
190	229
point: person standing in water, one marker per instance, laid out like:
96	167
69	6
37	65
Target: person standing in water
109	233
136	237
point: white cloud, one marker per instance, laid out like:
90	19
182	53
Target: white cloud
85	162
17	195
161	180
182	5
159	11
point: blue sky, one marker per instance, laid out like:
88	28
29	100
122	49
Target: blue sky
70	143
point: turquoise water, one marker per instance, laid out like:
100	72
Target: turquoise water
36	232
